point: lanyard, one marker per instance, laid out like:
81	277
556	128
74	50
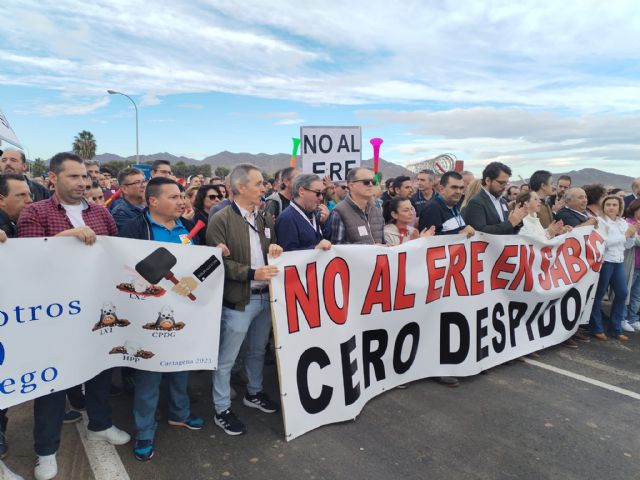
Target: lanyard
313	223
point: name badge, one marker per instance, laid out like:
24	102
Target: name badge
362	230
267	233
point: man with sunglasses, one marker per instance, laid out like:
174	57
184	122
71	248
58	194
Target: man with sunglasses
131	202
487	211
356	219
299	226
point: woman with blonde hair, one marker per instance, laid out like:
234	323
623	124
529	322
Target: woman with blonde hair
619	236
473	188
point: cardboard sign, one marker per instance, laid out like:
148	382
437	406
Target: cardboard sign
331	151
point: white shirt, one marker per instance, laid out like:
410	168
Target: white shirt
615	241
257	257
531	227
74	213
498	204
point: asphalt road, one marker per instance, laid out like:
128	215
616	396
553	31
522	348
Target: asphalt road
518	421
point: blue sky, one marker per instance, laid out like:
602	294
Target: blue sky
534	84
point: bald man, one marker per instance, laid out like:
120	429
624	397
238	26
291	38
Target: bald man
14	161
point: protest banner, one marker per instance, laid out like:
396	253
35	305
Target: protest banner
6	132
355	321
331	151
69	311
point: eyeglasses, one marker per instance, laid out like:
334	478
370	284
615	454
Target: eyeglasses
137	184
213	197
367	182
343	187
317	192
501	182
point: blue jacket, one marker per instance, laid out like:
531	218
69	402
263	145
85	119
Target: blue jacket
123	211
294	232
140	228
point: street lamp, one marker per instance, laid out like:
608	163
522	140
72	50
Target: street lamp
113	92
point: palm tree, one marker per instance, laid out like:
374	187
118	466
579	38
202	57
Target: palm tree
84	145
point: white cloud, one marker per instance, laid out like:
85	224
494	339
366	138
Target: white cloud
149	100
579	56
71	108
526	140
291	121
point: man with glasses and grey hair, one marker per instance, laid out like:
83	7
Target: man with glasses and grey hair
299	226
246	311
356	219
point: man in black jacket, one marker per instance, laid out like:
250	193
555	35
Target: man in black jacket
574	213
487	211
14	161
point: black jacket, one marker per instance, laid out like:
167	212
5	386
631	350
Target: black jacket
7	225
38	191
570	218
140	228
482	215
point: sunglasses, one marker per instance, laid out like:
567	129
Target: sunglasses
367	182
318	193
213	197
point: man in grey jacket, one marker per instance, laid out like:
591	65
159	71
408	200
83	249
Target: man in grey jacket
246	311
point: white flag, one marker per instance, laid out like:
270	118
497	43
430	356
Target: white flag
6	132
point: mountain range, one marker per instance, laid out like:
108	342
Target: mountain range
265	162
272	163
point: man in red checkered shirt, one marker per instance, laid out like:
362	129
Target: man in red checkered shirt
67	214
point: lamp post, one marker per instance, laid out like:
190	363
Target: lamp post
113	92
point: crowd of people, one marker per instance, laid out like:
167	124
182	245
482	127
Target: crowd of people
251	218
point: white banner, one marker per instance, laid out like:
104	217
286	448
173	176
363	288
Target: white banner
69	311
355	321
330	151
6	132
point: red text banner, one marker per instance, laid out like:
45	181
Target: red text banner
355	321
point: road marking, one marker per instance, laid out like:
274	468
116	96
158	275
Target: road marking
103	457
600	366
582	378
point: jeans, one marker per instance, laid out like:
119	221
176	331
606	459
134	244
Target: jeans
147	394
634	300
611	274
48	413
254	324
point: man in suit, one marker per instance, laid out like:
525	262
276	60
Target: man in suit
635	189
487	211
574	213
